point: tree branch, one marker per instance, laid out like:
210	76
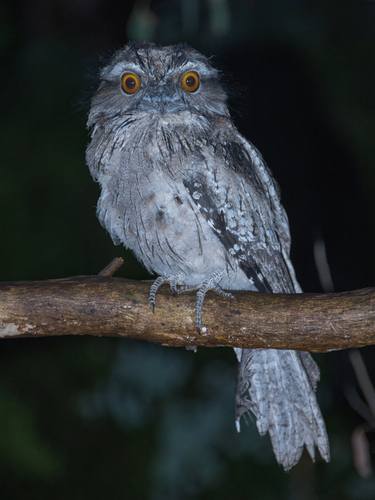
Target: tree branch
116	307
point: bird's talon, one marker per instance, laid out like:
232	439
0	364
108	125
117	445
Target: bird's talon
151	302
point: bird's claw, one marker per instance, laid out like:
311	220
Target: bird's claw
177	287
154	290
212	283
160	281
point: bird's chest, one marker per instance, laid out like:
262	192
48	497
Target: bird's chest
157	209
153	215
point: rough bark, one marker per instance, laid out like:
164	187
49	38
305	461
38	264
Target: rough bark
105	306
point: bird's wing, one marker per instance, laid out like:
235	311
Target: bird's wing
237	195
234	190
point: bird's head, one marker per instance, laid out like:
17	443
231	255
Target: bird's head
166	83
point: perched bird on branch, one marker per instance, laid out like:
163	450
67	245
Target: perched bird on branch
196	203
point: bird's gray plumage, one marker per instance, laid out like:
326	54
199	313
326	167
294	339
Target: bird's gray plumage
194	200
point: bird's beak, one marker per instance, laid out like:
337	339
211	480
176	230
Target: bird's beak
161	99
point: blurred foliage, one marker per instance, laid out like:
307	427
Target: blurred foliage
100	418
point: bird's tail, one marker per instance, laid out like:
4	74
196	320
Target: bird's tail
278	388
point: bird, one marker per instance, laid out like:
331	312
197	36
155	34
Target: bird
196	203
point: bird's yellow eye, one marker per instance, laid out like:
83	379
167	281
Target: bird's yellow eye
190	81
130	83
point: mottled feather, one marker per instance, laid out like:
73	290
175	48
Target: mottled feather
195	201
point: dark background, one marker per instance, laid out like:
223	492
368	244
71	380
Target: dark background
103	418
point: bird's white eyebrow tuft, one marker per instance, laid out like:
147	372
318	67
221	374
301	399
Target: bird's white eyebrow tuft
114	72
202	68
118	69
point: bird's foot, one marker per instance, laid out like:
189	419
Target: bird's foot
212	283
175	283
177	287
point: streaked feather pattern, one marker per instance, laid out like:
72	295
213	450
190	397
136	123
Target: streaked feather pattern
192	198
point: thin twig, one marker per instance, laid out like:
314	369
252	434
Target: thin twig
363	378
111	268
361	451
